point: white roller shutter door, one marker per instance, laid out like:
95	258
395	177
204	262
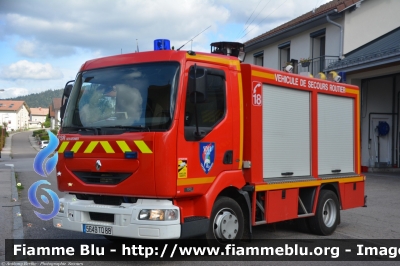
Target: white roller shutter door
286	131
335	134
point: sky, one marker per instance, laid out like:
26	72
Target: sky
43	43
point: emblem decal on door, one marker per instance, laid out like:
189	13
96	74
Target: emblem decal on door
182	168
207	155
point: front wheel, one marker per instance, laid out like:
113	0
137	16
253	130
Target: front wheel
226	222
326	218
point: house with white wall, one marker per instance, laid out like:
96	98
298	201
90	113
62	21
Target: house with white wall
38	117
55	115
15	114
359	40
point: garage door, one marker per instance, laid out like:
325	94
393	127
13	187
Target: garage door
286	132
335	134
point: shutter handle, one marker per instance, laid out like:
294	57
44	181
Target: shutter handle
287	174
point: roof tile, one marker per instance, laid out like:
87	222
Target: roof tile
39	111
6	105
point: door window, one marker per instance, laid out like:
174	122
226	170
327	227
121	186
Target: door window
208	113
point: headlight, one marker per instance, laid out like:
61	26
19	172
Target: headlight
61	210
158	215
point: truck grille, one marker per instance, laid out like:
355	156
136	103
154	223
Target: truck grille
101	178
106	200
102	217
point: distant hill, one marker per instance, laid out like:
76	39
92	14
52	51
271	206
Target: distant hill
41	99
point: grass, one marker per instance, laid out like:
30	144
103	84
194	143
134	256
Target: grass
19	185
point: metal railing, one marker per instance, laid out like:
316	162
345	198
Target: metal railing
316	65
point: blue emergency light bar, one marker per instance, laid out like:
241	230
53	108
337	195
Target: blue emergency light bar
161	44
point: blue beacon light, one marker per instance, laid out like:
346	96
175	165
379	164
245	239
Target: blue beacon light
161	44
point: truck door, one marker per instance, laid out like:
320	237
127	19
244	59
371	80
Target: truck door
204	153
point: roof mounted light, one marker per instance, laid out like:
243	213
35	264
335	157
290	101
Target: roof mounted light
229	48
161	44
289	68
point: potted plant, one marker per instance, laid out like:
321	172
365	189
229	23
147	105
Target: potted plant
305	62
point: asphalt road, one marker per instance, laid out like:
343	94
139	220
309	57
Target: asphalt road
380	220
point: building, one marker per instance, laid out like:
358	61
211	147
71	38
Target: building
359	40
15	114
55	117
38	116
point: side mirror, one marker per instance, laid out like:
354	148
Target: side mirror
197	84
66	94
68	88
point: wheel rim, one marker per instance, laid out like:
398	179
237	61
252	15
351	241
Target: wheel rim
329	213
226	225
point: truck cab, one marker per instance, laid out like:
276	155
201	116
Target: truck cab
172	144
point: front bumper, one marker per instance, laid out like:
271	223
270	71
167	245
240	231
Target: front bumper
126	223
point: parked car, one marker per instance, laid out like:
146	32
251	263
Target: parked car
43	144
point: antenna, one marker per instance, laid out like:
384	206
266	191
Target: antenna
193	38
137	46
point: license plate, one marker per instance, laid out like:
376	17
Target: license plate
97	229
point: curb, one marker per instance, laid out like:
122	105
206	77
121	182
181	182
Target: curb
18	228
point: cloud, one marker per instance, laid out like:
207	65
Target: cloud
35	49
13	92
24	69
26	48
67	33
60	28
108	26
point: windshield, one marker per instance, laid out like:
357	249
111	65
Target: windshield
125	98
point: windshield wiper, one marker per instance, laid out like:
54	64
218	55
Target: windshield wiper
131	128
80	129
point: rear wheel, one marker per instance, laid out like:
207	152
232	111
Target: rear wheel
226	222
326	218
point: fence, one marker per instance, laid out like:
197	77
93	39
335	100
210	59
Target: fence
316	65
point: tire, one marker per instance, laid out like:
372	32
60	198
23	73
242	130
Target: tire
327	215
226	222
301	225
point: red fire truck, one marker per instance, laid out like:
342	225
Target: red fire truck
170	144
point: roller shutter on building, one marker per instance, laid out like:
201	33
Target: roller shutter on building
286	131
335	134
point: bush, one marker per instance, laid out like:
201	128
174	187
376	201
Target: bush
3	138
44	137
38	132
54	131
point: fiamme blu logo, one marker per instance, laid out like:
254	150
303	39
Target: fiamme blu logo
43	165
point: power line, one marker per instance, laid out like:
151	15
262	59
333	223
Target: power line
250	16
317	3
263	19
256	16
